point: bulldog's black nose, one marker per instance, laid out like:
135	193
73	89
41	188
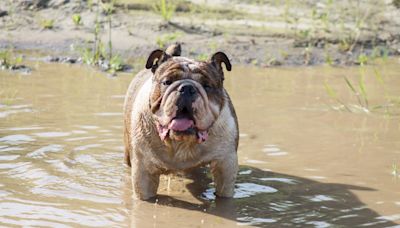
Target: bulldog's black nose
187	90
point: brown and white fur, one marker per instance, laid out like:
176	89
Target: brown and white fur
153	110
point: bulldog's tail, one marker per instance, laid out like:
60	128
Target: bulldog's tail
174	49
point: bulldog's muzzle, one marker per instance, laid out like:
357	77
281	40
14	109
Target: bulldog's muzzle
187	95
183	121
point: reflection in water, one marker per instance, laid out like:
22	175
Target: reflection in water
61	155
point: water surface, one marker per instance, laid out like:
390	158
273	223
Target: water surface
304	159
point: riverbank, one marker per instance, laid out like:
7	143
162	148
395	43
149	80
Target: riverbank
260	33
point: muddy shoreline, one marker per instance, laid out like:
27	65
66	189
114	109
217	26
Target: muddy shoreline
137	29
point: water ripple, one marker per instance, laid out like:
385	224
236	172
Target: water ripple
15	110
16	139
8	157
79	138
41	152
250	221
10	148
52	134
242	190
52	214
85	147
283	180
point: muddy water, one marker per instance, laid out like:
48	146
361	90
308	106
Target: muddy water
303	162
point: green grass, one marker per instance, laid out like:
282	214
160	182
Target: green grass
362	59
360	94
202	57
95	52
47	23
92	56
116	64
333	95
8	59
389	105
167	38
307	53
328	59
165	9
77	19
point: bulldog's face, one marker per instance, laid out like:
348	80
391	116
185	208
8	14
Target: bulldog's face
187	95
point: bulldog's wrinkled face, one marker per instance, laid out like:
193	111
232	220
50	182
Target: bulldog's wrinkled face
187	96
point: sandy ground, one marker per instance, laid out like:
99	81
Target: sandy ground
262	33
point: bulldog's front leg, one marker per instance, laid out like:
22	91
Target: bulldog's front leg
144	183
224	171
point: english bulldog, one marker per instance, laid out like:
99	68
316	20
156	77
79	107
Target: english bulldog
178	116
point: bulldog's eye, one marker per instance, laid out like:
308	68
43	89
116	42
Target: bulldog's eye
207	87
166	82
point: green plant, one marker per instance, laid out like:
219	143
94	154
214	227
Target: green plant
304	34
97	40
47	23
333	95
395	170
165	8
328	59
77	19
362	59
86	55
361	95
167	38
202	57
92	56
5	58
284	54
307	54
8	59
97	55
253	62
116	64
109	9
344	45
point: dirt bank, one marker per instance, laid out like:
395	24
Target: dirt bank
263	33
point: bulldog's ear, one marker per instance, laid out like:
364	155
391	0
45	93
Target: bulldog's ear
219	58
158	55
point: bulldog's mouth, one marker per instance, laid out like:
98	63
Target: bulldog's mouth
182	126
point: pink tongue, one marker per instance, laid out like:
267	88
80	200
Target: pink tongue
180	124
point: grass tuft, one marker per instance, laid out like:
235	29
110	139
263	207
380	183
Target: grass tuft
77	19
163	40
47	23
165	9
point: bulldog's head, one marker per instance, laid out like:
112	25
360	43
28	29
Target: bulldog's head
187	95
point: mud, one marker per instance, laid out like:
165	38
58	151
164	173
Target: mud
261	33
